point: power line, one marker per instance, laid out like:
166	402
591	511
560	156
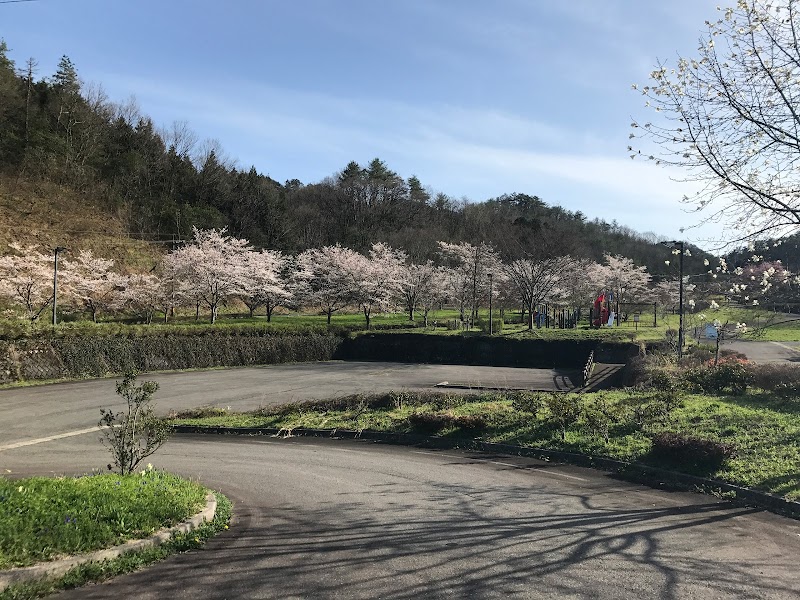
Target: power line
15	1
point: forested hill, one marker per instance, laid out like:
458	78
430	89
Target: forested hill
56	132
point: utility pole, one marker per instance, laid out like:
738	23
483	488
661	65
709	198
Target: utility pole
680	305
491	323
56	251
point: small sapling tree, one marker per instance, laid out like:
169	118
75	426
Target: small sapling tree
134	433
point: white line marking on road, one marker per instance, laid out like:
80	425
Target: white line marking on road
48	439
786	347
557	474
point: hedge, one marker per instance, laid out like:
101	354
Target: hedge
82	357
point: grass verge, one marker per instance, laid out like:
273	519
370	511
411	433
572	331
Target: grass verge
763	429
44	519
133	561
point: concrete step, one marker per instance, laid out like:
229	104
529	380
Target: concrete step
604	376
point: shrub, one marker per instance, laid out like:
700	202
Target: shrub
732	377
600	416
788	391
696	455
526	402
135	433
565	409
771	376
497	325
435	422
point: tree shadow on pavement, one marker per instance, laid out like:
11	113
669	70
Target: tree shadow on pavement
464	542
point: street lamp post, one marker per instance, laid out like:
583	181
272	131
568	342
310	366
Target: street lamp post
491	323
56	251
680	246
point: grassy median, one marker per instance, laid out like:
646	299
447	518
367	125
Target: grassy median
44	519
757	435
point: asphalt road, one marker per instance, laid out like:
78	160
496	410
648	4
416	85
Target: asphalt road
343	519
39	411
765	352
347	519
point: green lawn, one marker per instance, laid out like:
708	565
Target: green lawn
764	430
44	518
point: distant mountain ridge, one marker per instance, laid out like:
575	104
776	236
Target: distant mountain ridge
60	139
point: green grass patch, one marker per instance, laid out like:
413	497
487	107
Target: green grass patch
763	428
44	519
127	563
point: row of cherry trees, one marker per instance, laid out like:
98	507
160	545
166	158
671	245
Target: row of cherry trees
215	269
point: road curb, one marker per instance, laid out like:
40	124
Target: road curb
57	568
636	471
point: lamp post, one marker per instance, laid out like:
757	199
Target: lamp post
56	251
680	246
491	323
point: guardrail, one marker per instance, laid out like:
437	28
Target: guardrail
587	370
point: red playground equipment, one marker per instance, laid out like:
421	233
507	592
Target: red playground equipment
600	312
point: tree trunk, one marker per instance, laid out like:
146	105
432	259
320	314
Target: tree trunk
366	315
213	314
530	317
329	316
270	308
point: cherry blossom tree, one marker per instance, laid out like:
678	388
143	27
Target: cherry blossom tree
414	281
91	285
262	284
622	277
576	288
26	279
213	264
729	117
536	280
756	283
143	295
374	280
321	279
433	293
472	265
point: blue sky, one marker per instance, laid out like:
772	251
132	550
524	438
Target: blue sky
476	98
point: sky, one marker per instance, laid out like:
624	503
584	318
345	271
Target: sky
475	98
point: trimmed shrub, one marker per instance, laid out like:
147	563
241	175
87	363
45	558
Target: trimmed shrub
81	357
691	454
732	377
